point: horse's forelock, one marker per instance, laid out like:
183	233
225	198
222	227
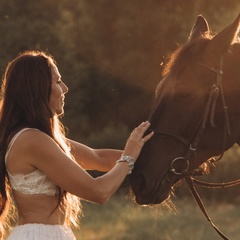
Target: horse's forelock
187	54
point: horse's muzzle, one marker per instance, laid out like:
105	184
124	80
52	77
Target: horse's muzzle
147	193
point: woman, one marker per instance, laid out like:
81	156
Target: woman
42	170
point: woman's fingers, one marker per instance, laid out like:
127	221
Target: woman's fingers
137	140
139	132
147	137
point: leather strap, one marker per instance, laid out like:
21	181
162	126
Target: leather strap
201	206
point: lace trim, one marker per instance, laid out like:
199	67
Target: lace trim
33	183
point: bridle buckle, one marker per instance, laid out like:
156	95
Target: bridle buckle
173	168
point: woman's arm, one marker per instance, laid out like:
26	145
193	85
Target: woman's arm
94	159
35	149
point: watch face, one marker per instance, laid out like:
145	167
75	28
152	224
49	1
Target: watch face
131	162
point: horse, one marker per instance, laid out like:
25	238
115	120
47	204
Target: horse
196	112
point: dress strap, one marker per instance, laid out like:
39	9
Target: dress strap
14	139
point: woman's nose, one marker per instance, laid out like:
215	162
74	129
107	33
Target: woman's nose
64	88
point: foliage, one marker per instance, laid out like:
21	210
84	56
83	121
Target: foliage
108	52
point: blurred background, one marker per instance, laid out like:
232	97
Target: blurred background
111	54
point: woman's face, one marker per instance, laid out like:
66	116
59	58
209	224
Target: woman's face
59	89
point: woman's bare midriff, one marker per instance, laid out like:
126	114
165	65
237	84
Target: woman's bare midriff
38	209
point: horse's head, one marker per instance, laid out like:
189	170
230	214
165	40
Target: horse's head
201	79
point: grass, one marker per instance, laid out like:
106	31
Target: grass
121	219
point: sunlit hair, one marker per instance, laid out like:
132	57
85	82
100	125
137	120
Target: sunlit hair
24	102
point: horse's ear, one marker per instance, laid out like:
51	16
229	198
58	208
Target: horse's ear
224	39
200	27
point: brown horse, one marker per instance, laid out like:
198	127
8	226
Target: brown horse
196	114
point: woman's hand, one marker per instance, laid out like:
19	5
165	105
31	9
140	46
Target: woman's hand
136	140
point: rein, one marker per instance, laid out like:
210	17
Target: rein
209	113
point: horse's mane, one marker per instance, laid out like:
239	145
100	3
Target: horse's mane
185	55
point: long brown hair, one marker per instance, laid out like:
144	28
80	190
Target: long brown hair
24	102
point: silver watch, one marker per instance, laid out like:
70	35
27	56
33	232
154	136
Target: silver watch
129	160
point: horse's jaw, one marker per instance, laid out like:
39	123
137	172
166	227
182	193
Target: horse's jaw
156	194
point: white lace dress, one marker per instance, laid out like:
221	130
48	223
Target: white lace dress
41	232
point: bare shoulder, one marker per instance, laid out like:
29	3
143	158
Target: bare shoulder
36	143
27	147
32	140
32	137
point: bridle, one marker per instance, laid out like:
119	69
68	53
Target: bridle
208	113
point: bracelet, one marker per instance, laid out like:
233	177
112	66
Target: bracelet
129	160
